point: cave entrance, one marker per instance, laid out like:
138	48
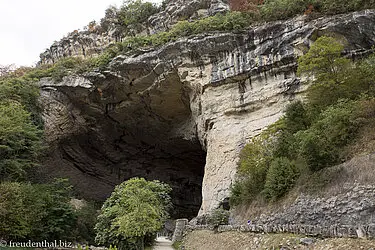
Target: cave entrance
181	165
96	163
139	129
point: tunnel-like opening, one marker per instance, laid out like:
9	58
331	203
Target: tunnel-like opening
95	165
124	133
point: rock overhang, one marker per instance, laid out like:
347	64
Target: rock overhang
207	93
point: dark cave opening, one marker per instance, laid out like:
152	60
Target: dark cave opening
95	164
144	130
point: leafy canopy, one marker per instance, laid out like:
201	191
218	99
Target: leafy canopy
324	60
36	211
136	209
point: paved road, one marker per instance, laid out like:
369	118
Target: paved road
162	243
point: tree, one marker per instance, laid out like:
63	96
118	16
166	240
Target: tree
135	211
324	60
36	211
134	14
281	177
20	141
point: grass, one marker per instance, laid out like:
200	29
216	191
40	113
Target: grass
177	245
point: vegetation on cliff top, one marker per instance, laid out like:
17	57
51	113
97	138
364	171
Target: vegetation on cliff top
312	135
132	18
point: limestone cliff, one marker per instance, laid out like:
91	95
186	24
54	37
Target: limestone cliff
181	113
90	43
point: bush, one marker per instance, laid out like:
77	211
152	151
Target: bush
25	91
20	141
281	177
333	129
253	165
218	217
283	9
136	210
36	212
296	117
324	60
134	13
86	220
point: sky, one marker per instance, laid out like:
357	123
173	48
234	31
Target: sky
28	27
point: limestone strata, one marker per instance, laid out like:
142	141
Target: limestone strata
189	106
178	10
90	43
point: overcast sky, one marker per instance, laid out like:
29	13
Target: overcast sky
28	27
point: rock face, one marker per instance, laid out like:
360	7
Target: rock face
83	44
183	112
354	206
90	43
185	9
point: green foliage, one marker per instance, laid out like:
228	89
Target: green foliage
314	134
21	87
324	60
20	141
336	6
282	9
136	209
218	217
255	159
36	212
296	118
134	13
86	220
281	177
20	124
320	144
354	82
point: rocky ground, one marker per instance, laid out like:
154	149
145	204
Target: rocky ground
208	240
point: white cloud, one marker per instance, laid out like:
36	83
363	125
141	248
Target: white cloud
28	27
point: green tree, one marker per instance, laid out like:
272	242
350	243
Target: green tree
20	141
136	210
296	118
324	60
134	15
36	211
281	177
320	144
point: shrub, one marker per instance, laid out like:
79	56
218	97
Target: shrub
86	220
283	9
320	143
23	90
134	13
136	210
254	159
218	217
36	212
20	141
281	177
324	60
296	118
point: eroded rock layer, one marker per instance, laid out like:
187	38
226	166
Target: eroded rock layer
183	112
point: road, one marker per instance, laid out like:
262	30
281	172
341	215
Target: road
162	243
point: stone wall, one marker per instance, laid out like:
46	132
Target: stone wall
359	231
354	205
